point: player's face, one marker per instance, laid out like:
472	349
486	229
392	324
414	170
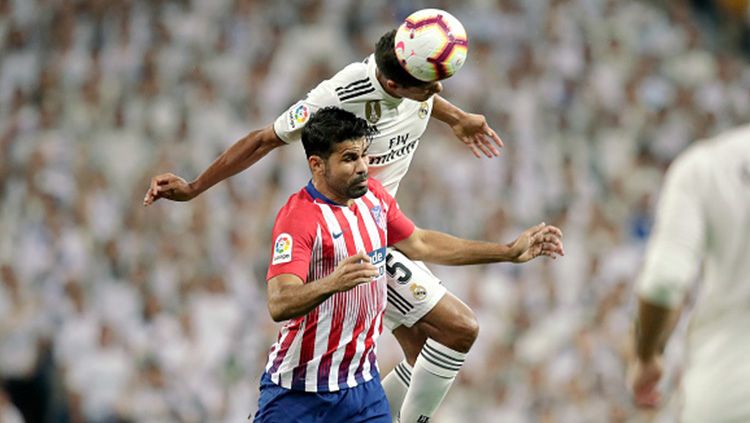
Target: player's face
346	169
420	93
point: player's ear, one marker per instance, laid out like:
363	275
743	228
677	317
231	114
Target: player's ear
391	85
317	164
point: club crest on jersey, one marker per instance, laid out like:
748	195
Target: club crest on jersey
298	115
282	249
423	110
377	214
373	111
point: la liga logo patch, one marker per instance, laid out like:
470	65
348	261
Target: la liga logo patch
282	249
298	115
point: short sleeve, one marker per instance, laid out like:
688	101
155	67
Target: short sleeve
293	238
288	126
676	246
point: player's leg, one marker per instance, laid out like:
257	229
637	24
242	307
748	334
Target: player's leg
418	308
396	383
451	329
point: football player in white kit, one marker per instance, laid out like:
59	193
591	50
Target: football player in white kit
703	218
434	328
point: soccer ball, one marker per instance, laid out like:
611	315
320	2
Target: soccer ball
431	45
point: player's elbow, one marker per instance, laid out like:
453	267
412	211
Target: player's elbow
267	138
278	311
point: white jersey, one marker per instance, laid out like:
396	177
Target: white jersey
704	218
400	121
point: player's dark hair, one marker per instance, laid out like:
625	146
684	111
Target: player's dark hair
385	58
330	126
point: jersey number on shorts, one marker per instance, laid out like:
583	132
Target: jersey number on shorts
393	268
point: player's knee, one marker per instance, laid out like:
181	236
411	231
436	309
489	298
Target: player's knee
460	333
467	329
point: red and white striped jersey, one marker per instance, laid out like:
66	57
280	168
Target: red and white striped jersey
333	346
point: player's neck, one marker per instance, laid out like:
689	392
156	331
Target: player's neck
383	83
331	196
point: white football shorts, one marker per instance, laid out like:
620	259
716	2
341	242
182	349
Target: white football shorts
412	290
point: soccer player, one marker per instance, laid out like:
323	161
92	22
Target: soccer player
703	218
327	279
399	105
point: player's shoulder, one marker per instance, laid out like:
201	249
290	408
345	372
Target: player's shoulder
713	153
377	189
352	80
299	213
353	72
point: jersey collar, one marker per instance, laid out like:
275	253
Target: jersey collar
317	195
372	68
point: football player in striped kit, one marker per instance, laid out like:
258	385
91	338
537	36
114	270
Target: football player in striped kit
382	92
327	279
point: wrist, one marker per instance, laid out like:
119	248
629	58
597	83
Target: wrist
455	116
194	188
327	285
509	252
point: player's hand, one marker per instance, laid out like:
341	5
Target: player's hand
352	271
643	377
168	186
474	131
539	240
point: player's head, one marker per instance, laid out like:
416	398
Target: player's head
398	80
336	143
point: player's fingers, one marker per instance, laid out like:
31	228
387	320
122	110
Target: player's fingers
536	230
361	267
160	180
167	191
552	250
150	198
493	135
478	141
554	230
153	187
357	258
488	143
363	276
470	144
475	150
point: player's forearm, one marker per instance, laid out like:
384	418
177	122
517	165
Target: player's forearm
441	248
445	111
652	328
241	155
298	300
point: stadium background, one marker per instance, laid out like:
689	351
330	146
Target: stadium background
110	311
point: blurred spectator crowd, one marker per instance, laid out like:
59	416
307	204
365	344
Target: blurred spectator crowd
110	311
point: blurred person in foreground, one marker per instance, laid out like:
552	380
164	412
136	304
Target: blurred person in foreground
703	218
386	95
327	278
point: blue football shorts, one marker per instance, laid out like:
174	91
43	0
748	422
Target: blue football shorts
362	403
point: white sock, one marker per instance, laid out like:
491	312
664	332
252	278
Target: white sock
433	374
396	384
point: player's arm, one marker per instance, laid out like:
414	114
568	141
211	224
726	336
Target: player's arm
472	129
240	156
290	297
672	261
441	248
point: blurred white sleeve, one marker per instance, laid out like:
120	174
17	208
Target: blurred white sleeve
676	247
